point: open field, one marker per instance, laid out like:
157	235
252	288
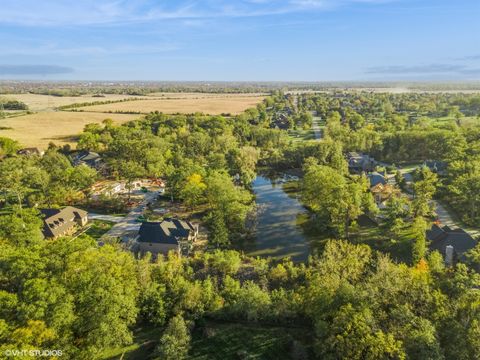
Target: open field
200	95
60	127
38	102
184	103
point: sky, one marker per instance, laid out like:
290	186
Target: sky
240	40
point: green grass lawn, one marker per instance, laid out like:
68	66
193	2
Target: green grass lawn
378	239
244	341
465	121
98	228
218	340
145	340
301	135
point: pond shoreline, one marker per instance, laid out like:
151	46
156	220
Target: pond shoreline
280	217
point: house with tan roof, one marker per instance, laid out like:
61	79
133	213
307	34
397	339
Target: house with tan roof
63	222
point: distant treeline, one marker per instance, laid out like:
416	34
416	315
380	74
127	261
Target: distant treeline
144	88
92	103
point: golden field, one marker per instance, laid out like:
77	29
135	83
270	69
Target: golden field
62	127
38	130
37	102
185	103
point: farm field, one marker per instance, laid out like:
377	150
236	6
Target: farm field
213	104
38	102
201	95
38	130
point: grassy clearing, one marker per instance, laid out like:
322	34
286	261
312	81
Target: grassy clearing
38	130
241	341
301	134
98	228
223	341
377	237
145	340
228	103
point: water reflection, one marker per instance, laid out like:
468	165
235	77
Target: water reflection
277	231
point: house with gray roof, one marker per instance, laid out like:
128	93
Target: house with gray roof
358	163
62	222
451	243
89	158
376	178
160	237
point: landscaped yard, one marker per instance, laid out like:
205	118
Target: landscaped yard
98	227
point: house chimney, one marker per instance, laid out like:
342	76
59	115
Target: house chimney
449	255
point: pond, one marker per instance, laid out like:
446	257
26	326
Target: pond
279	231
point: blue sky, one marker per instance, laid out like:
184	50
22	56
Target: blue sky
246	40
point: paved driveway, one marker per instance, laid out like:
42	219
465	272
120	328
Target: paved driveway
111	218
127	227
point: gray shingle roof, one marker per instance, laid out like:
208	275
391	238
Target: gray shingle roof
168	231
376	178
440	238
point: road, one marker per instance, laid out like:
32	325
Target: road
316	126
127	227
443	216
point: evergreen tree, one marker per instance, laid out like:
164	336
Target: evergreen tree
175	341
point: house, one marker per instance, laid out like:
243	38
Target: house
280	121
89	158
33	151
108	188
358	163
164	236
382	192
451	243
438	167
61	222
376	178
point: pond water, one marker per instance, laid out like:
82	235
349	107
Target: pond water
278	231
